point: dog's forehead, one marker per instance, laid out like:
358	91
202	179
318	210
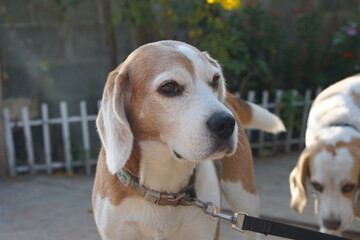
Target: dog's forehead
152	59
335	164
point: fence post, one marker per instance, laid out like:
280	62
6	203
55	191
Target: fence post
278	97
306	106
289	131
251	98
3	163
46	137
264	104
66	137
28	138
9	141
85	135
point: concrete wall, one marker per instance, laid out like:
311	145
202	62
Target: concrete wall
50	56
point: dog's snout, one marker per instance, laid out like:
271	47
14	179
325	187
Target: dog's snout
222	125
332	224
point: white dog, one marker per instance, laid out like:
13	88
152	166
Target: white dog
331	159
165	112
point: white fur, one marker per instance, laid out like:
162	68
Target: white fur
332	170
265	120
135	218
114	130
240	200
161	170
346	111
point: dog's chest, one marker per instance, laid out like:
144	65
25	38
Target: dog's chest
157	222
136	218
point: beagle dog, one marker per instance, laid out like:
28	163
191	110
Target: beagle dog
165	115
331	159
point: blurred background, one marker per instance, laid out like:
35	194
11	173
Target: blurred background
55	56
271	51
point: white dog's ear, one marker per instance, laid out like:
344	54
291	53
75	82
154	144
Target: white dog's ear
297	180
112	124
222	87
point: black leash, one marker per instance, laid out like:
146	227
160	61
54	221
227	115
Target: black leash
268	227
263	226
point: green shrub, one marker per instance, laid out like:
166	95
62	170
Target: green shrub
253	44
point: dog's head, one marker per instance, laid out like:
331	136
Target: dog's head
333	168
168	92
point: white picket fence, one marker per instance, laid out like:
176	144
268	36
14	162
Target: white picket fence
261	142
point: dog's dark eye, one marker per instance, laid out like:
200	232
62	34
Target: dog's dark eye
215	82
317	186
347	188
170	88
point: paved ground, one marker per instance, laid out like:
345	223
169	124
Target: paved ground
59	208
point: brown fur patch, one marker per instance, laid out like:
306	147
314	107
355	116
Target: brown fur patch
211	60
326	111
356	98
108	185
330	149
242	108
354	149
239	166
217	233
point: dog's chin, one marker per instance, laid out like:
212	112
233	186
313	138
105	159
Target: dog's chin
211	155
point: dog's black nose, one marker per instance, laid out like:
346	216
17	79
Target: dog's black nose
222	124
332	224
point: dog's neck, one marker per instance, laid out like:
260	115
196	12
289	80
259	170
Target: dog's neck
158	169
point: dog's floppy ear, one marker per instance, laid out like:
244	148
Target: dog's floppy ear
357	205
355	152
222	88
357	200
297	180
112	124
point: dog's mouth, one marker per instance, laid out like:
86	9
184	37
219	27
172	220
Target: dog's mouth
215	154
178	155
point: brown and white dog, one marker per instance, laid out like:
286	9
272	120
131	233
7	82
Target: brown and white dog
165	112
331	159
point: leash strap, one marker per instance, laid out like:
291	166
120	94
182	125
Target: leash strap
268	227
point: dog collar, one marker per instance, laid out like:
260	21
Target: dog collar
344	125
160	198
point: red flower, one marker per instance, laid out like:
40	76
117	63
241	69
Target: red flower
347	55
321	41
297	12
303	52
274	22
248	4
